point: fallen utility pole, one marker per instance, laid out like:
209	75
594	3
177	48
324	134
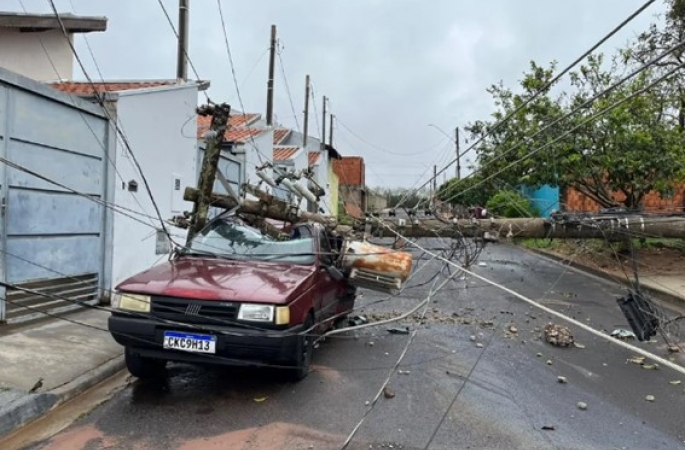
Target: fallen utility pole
599	226
210	162
267	206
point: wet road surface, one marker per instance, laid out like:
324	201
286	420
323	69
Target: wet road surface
451	392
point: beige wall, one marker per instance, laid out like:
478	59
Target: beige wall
22	53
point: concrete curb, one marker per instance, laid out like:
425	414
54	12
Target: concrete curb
653	291
29	407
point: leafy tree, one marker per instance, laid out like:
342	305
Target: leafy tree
511	204
633	149
409	198
470	191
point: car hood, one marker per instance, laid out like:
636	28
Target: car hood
217	279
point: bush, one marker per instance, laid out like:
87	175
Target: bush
511	204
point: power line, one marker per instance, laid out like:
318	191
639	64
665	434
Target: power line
583	123
112	121
551	83
185	50
287	88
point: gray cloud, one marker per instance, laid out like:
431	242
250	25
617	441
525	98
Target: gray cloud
390	67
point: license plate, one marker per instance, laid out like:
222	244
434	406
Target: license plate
196	343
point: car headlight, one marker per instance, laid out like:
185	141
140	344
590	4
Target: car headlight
256	313
131	302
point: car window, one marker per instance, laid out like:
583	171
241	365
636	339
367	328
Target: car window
233	240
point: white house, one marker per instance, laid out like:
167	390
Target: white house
34	45
249	144
157	119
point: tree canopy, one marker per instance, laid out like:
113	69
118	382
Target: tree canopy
614	149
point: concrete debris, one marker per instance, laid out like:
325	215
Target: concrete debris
398	330
472	338
539	355
404	372
371	343
562	380
549	362
367	403
650	366
639	360
558	335
513	329
673	349
582	406
388	393
549	427
624	335
674	382
358	320
577	345
482	264
479	345
650	398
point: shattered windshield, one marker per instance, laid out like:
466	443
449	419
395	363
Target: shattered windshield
232	240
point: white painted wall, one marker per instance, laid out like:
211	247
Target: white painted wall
153	121
23	53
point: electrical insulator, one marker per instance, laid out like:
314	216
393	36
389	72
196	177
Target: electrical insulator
267	179
291	187
306	193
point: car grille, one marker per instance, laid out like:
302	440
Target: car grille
194	311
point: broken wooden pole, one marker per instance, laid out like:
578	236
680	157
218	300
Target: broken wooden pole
210	162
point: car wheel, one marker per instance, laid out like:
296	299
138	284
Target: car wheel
303	353
144	368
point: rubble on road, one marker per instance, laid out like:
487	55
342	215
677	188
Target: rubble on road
582	406
562	380
558	335
388	393
650	398
624	335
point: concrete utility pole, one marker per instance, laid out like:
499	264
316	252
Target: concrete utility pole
323	125
182	59
306	111
598	226
270	84
330	132
210	163
456	144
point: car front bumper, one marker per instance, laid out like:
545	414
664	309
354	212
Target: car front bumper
234	345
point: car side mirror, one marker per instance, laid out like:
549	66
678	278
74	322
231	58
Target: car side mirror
335	273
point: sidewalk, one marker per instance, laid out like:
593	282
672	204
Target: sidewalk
667	288
69	357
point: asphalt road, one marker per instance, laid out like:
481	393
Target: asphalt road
497	392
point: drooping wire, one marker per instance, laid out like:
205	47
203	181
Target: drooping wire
112	121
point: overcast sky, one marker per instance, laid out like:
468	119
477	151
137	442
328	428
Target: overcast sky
389	67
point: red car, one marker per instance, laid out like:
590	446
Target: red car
234	296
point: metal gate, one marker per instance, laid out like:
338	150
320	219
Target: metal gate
51	236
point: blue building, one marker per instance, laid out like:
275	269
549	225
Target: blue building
545	198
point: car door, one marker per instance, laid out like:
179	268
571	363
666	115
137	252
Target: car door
327	286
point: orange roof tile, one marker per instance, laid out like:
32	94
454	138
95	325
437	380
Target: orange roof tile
86	88
284	153
350	170
313	158
280	135
236	131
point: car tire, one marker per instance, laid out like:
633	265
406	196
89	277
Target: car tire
303	353
144	368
